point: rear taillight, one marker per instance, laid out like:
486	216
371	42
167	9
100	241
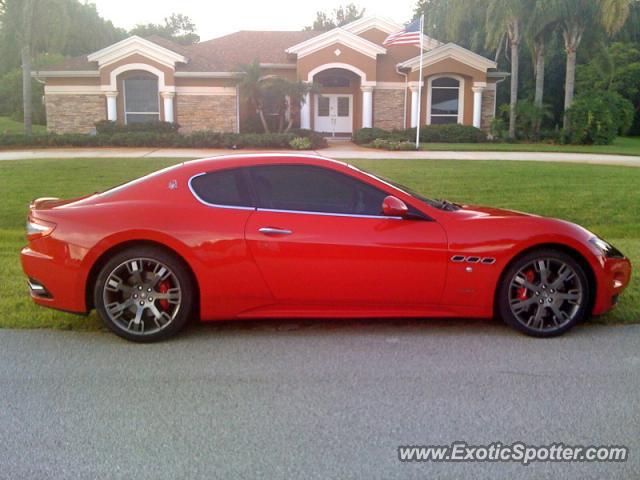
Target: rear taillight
37	228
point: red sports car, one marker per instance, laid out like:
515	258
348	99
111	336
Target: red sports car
278	235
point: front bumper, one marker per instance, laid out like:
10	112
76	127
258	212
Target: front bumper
612	279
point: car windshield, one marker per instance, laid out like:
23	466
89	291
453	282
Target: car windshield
409	191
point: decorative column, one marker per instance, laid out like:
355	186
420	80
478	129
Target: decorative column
305	112
477	105
367	107
112	106
167	99
414	107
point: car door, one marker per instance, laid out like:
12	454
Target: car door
318	237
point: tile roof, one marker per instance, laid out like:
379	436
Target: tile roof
221	54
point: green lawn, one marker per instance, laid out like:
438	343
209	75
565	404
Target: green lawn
605	199
11	126
620	146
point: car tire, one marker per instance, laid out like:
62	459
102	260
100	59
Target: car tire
144	294
544	293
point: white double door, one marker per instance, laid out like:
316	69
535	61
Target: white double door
334	113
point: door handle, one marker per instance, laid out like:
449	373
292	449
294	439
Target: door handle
274	231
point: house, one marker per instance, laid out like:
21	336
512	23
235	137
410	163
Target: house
360	83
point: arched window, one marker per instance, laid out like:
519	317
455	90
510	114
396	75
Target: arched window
445	101
141	102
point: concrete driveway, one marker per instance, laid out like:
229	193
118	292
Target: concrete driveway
313	400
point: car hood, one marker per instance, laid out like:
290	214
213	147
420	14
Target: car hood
478	211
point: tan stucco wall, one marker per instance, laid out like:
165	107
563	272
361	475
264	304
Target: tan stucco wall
327	55
386	64
105	72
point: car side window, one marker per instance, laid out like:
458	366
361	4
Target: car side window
314	189
223	187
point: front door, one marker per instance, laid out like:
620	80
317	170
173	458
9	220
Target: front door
318	238
334	113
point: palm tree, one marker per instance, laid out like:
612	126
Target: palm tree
575	17
539	28
36	25
287	94
508	16
251	86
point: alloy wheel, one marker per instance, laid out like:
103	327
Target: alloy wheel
142	296
546	294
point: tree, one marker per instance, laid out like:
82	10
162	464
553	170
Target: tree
252	88
340	16
615	68
507	17
538	30
178	28
575	17
285	94
36	25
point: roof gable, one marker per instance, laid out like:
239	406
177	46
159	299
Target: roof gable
135	44
450	50
341	35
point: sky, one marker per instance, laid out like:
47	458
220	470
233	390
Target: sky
214	18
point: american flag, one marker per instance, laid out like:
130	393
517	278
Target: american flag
409	35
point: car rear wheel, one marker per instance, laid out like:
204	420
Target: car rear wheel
144	294
544	293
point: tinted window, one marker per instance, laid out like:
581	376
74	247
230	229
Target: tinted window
225	187
314	189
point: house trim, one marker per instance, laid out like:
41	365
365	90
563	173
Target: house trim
135	44
337	35
450	50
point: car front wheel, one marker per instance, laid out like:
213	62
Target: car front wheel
144	294
544	293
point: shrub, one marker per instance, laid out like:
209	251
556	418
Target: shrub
300	143
204	139
392	145
596	118
453	133
365	136
107	127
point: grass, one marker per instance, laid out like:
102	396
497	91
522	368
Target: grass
620	146
8	125
605	199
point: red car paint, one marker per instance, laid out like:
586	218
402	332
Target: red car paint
332	266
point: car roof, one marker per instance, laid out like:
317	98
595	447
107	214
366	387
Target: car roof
250	159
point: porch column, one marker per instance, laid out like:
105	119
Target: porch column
305	112
167	99
112	106
414	107
367	107
477	105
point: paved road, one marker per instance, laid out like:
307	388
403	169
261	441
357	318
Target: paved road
317	400
337	151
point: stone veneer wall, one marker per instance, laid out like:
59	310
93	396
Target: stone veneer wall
206	112
74	113
488	109
388	108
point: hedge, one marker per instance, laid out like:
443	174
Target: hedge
160	138
453	133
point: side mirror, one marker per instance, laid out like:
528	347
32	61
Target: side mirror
394	207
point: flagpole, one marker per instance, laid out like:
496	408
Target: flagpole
419	85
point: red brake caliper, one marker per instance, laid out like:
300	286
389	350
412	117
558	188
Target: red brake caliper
522	291
164	288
